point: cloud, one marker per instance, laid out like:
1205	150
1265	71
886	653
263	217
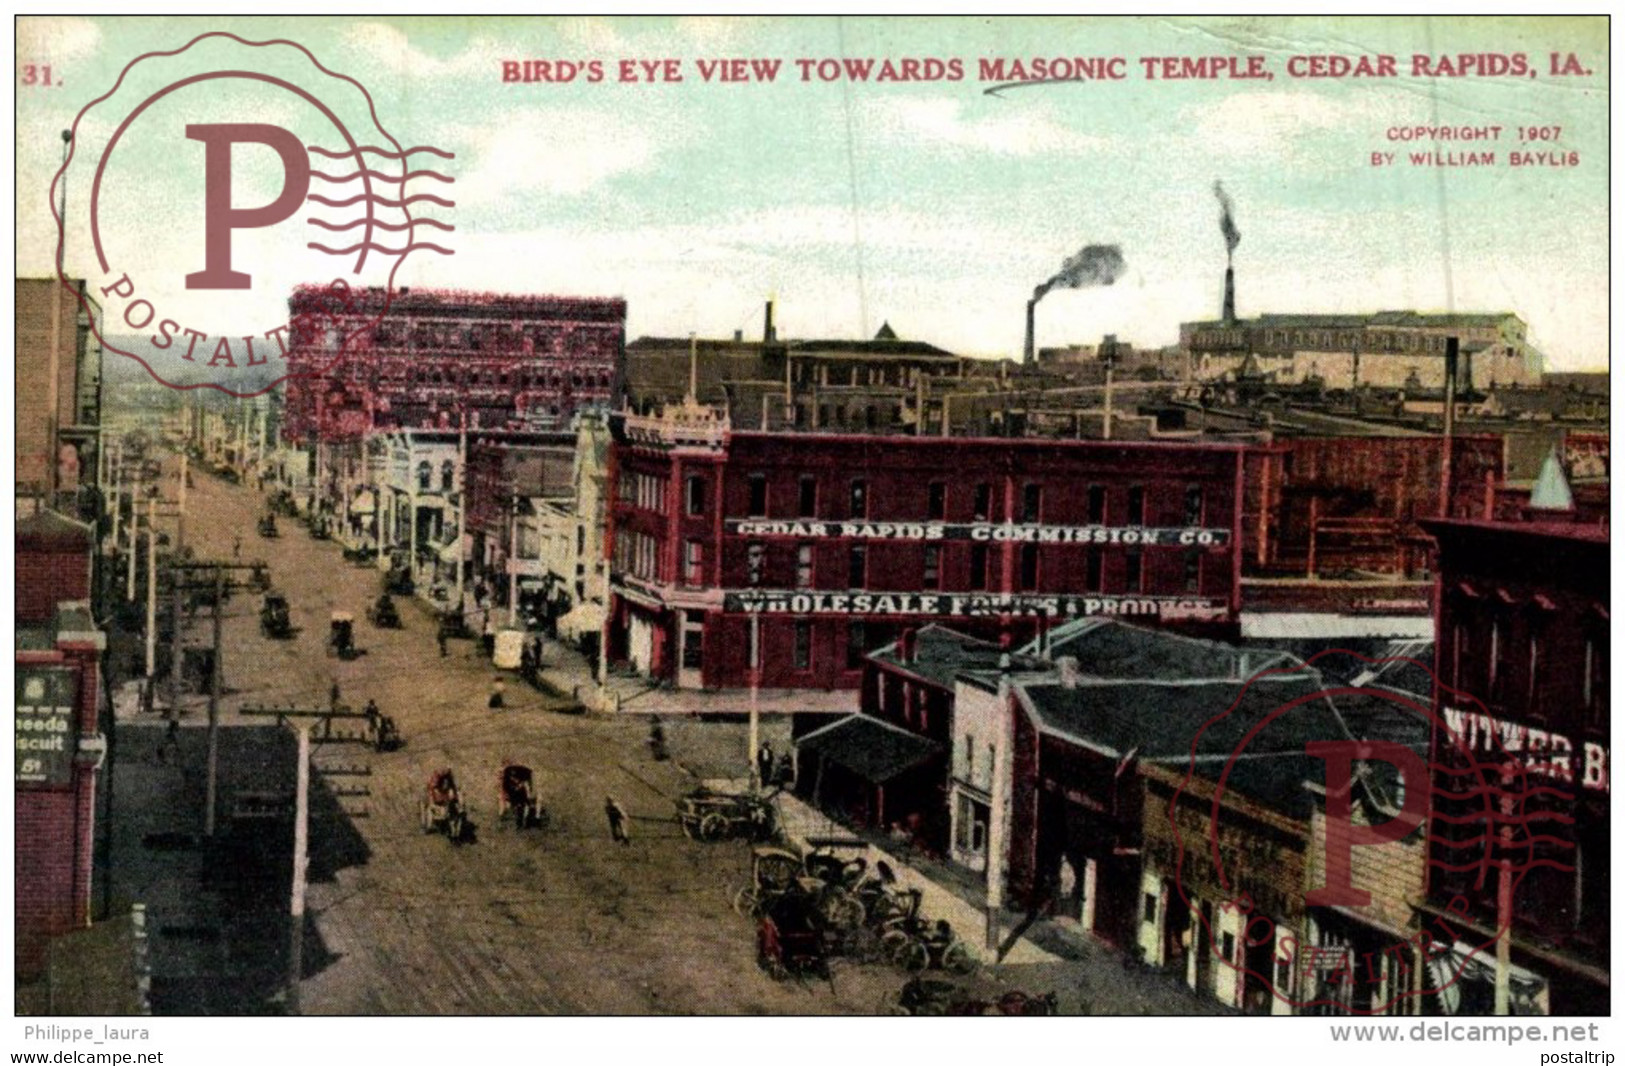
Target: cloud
56	40
392	47
560	151
943	121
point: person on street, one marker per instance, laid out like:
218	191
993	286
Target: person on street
488	636
440	639
496	702
236	548
617	821
764	764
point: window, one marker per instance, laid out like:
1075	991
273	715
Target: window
932	578
857	645
1097	505
803	652
448	474
1494	663
1133	571
970	757
696	495
1032	496
978	566
755	562
808	502
857	567
758	495
1461	651
1534	672
581	540
693	640
1136	506
1193	571
1092	570
804	566
1029	567
1151	907
425	474
936	500
1193	506
860	498
982	510
693	562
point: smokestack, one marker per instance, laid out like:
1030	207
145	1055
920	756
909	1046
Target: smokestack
1229	294
1027	355
1232	237
768	333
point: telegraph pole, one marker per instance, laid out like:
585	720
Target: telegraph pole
214	708
152	585
513	563
462	501
755	685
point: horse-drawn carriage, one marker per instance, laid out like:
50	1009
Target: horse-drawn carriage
319	529
712	816
267	526
341	635
516	798
382	613
274	620
443	809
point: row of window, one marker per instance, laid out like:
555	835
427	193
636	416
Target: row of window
1028	566
643	490
520	379
1505	658
941	500
638	554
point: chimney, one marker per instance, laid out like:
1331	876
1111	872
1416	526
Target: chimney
1229	294
906	646
769	334
739	335
1068	666
1027	348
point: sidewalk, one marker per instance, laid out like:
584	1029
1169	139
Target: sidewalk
567	674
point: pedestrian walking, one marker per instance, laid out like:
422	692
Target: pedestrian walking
496	702
764	764
237	547
440	639
617	821
488	636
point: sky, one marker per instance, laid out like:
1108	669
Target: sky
934	206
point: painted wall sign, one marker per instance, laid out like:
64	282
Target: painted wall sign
980	531
46	737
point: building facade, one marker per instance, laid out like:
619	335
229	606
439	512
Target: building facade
1523	712
816	549
1388	349
59	393
364	362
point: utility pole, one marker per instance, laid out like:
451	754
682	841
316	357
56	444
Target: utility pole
131	531
214	708
301	719
152	585
755	740
513	562
462	501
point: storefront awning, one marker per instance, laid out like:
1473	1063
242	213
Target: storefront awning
582	619
870	748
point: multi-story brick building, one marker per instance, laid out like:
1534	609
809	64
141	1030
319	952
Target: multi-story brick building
59	392
431	360
59	745
1523	713
826	546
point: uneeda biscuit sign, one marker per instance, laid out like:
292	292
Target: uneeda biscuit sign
46	737
213	179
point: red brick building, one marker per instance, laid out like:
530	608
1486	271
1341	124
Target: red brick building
1522	654
422	359
58	653
836	543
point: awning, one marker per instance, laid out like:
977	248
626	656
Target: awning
362	504
870	748
580	620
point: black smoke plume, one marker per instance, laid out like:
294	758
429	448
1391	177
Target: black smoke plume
1227	221
1095	264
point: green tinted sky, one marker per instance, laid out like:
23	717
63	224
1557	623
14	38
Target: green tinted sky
696	200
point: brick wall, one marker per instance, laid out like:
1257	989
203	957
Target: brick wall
46	578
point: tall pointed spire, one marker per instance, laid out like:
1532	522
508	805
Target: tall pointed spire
1551	491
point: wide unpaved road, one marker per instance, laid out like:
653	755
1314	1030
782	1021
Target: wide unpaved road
544	922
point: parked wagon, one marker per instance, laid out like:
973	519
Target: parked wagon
267	526
712	816
382	613
516	797
442	809
274	620
341	635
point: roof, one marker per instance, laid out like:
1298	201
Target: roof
1357	661
1551	491
940	654
1166	722
1413	319
1587	533
869	747
52	531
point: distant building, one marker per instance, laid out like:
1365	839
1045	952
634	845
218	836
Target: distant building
59	393
1388	349
427	360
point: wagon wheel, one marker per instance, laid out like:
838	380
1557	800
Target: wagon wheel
777	871
912	955
840	911
713	827
747	902
688	827
958	958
